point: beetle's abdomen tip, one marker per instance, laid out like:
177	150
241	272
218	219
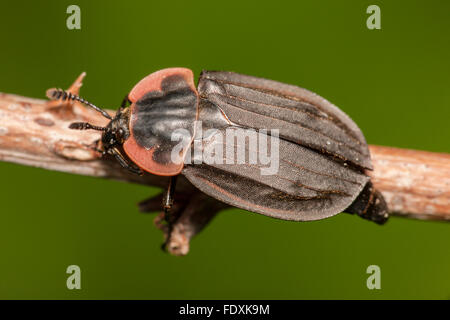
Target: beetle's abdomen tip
370	205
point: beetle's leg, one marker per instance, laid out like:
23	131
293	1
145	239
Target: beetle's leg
167	206
116	153
94	146
123	105
168	198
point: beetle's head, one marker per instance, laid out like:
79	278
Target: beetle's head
114	133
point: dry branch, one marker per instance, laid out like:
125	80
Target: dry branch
35	132
414	183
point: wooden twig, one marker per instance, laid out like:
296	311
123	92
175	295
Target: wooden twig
414	183
35	132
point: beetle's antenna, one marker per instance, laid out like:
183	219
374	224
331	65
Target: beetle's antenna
56	94
85	126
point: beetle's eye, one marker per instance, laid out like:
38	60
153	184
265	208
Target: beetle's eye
121	131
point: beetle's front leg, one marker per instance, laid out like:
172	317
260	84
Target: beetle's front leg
119	157
124	103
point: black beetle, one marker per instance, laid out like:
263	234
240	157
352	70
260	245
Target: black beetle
322	154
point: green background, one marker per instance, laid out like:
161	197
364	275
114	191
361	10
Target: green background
393	82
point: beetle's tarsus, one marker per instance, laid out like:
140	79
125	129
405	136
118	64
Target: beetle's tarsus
167	207
95	146
169	225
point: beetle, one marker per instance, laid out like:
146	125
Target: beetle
323	155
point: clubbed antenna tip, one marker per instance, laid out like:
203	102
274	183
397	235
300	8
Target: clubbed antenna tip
56	94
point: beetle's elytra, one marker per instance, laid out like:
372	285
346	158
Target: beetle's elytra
322	154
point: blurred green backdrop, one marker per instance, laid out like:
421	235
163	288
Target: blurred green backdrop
393	82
